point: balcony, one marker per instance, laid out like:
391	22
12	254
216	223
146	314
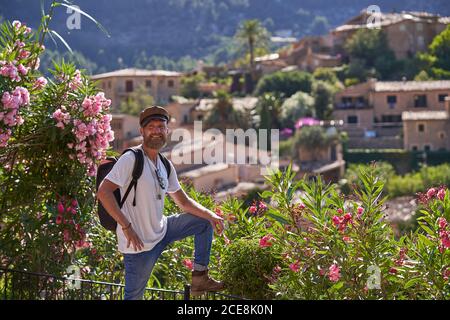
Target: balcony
351	105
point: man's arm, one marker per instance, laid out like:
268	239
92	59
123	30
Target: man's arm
105	194
191	206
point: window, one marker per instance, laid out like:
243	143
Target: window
352	119
421	127
402	27
391	118
441	135
148	83
109	84
129	86
420	101
419	27
392	101
420	41
170	83
426	147
414	148
441	97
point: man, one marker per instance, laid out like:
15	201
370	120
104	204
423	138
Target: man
143	226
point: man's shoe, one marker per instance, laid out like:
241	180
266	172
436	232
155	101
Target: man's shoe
201	283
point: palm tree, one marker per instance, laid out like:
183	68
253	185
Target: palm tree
254	35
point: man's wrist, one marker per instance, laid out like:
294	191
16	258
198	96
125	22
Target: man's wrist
127	226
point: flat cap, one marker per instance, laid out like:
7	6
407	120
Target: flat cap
153	112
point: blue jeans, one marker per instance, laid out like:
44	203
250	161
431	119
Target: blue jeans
139	266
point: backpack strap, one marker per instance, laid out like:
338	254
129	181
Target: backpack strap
137	172
166	164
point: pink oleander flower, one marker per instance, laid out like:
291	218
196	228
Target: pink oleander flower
431	192
360	210
60	208
334	273
301	206
40	83
23	70
4	137
445	239
76	82
442	223
262	205
295	267
347	239
266	241
340	211
188	264
393	270
59	219
446	274
16	24
253	209
441	194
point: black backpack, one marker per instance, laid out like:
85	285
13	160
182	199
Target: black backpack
105	167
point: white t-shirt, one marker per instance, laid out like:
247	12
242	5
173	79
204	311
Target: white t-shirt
146	217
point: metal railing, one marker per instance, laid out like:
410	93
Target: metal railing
24	285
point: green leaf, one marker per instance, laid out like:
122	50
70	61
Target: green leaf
266	194
277	216
412	282
425	240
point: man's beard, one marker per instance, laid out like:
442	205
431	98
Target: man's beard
155	142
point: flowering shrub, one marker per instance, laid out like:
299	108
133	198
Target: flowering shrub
335	247
53	133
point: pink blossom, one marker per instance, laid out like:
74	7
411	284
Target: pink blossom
4	137
301	206
295	267
23	70
431	192
360	210
393	270
40	83
16	24
59	219
442	223
23	54
441	194
266	241
253	209
276	269
60	207
340	211
347	239
446	274
262	205
334	273
188	264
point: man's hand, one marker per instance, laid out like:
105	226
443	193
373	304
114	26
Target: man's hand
216	222
133	239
